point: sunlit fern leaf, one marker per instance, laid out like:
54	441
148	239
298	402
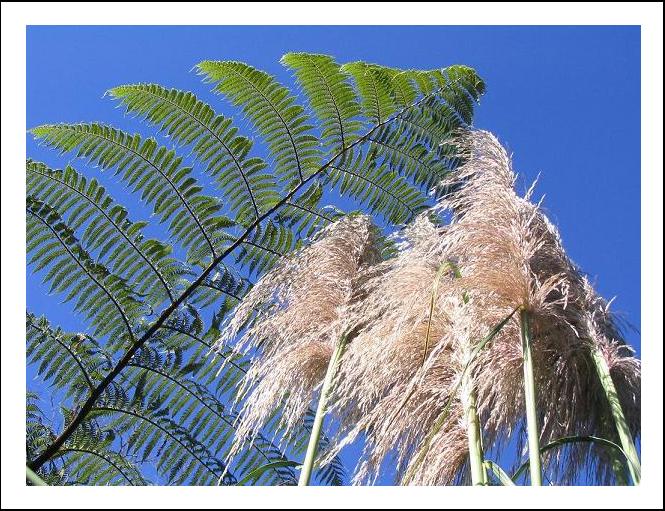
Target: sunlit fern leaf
402	86
267	244
375	90
72	362
402	152
155	437
458	86
302	214
465	89
274	112
101	296
193	218
429	127
90	458
410	145
106	229
330	95
248	188
383	191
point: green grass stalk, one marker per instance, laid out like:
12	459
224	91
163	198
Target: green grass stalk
478	474
533	430
625	437
313	446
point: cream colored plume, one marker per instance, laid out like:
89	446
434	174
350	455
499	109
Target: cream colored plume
290	321
509	256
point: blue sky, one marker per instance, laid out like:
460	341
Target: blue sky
565	100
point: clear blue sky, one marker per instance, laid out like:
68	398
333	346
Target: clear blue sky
566	101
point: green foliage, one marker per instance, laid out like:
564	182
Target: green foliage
330	95
138	391
154	171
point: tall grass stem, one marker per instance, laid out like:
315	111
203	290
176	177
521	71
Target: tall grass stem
478	474
313	446
34	478
634	467
533	430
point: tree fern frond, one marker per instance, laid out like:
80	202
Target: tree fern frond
189	403
220	372
179	457
265	246
74	363
407	157
274	111
377	187
38	431
375	89
107	229
330	95
89	458
102	297
155	171
248	189
223	284
464	88
165	401
303	214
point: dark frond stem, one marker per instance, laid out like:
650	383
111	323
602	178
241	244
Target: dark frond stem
307	210
227	293
261	247
166	313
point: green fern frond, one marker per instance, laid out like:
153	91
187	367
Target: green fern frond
89	458
267	244
303	215
375	90
330	95
101	296
404	154
248	188
379	188
381	138
72	362
178	456
106	229
273	110
154	171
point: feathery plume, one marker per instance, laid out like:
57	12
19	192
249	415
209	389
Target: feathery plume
290	321
509	256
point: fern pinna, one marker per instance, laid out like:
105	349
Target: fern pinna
140	399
